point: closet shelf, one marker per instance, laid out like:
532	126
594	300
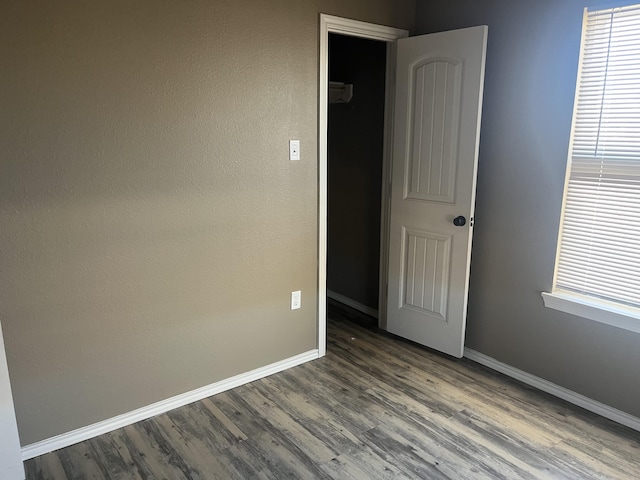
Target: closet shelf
340	92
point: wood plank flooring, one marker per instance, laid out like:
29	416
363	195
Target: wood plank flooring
376	407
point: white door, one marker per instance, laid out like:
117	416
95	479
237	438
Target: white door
438	103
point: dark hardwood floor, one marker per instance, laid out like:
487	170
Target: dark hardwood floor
374	407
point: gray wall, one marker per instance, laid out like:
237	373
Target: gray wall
151	225
356	134
531	71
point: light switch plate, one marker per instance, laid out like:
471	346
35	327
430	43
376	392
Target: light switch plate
296	298
294	149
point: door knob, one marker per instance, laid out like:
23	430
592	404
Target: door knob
459	221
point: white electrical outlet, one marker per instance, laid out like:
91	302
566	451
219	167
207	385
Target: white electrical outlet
296	299
294	149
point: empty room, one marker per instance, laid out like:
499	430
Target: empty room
351	239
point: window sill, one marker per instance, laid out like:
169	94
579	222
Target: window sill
627	318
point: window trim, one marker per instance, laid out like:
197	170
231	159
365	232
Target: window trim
609	313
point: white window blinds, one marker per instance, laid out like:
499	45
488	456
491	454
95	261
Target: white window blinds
599	249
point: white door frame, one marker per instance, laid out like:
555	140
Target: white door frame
11	466
354	28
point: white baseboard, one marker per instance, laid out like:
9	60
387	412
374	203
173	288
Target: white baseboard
90	431
372	312
555	390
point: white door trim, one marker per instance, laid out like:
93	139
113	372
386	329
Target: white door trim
354	28
11	467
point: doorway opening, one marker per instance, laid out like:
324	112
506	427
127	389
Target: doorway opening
336	25
425	241
355	147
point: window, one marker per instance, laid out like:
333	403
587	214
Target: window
598	263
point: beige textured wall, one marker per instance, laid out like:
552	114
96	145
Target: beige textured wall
151	226
532	62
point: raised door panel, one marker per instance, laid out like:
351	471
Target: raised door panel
425	276
432	156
